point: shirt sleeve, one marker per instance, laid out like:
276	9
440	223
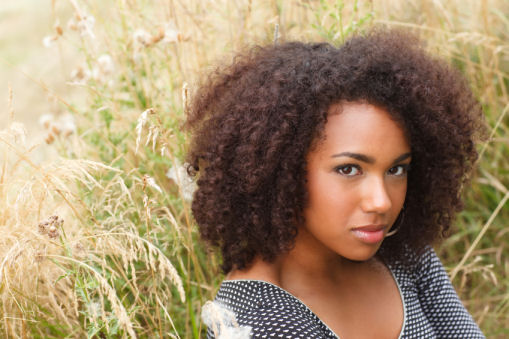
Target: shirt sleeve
439	300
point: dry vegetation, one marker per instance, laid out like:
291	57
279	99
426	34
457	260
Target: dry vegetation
100	242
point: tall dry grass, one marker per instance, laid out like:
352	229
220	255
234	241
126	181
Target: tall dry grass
100	241
64	272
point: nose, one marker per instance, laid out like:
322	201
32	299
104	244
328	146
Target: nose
376	198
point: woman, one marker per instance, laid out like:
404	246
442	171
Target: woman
303	156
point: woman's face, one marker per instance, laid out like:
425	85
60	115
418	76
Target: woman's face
356	180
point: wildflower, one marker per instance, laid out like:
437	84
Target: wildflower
95	309
72	25
48	40
79	75
85	26
45	120
67	124
105	63
171	34
141	36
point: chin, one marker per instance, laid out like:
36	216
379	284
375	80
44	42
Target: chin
362	256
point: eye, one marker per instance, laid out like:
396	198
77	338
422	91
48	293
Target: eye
400	170
348	170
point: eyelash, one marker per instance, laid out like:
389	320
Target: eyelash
340	169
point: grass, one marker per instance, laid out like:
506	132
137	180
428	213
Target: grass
126	259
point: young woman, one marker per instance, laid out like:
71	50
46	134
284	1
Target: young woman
324	175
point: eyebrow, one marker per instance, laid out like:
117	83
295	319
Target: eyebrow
368	159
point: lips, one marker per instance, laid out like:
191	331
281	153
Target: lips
370	234
370	228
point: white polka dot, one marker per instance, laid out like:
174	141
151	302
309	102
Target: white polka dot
432	307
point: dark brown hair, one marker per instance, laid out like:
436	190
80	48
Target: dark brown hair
254	121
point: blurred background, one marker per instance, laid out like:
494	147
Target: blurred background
25	60
94	201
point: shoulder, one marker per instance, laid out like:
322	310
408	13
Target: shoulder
428	267
417	264
262	309
423	274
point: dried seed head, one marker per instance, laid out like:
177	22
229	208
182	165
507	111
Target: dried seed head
78	250
86	25
185	96
178	173
105	63
46	119
158	37
172	35
55	129
53	232
58	28
141	36
64	125
67	124
222	321
39	256
142	120
56	220
18	132
149	181
78	74
49	138
50	227
43	227
71	24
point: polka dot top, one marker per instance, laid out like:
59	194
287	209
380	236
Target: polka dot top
259	309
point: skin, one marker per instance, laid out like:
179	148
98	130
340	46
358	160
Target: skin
357	176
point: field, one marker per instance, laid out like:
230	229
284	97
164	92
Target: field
96	234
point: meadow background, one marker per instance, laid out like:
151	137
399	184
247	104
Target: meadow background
96	235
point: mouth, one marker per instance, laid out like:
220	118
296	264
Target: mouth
370	234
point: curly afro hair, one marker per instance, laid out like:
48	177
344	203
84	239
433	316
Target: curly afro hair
254	121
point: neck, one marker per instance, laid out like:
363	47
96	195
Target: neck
309	262
305	265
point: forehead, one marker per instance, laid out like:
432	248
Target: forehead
363	128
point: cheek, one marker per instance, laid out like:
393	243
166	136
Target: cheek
401	191
398	195
328	199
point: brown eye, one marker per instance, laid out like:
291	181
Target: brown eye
399	170
348	170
